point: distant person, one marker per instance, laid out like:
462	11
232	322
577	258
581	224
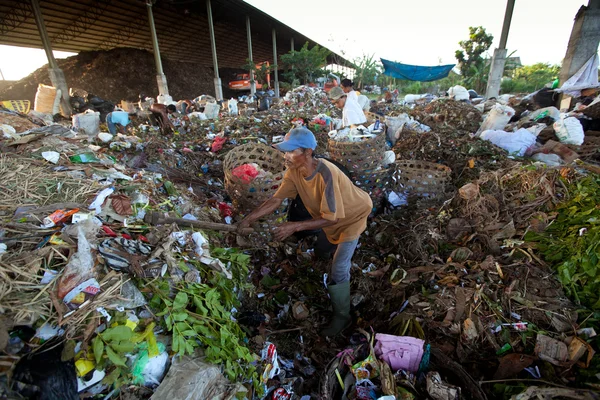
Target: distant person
348	88
117	120
185	106
161	113
352	113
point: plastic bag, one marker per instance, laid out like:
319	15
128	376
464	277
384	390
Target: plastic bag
497	119
458	93
192	379
43	376
233	107
211	110
515	143
399	352
149	371
569	131
246	172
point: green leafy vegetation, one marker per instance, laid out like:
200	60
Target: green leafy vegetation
529	78
305	65
571	243
200	316
473	67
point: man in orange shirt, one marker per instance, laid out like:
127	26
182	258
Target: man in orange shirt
337	207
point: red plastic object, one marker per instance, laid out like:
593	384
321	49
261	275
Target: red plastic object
218	143
245	172
108	231
226	210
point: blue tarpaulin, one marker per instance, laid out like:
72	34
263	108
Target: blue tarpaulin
415	72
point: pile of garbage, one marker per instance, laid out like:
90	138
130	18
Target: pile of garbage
122	271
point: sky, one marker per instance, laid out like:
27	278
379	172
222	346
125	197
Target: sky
420	32
427	32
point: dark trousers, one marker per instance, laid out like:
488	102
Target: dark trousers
297	212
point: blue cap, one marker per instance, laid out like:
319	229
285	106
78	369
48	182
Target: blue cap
298	138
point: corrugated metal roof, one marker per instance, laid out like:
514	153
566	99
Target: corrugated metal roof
182	28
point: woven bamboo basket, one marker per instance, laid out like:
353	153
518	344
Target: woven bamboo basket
376	183
421	178
372	117
247	196
358	157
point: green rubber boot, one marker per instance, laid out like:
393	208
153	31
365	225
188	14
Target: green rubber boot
340	300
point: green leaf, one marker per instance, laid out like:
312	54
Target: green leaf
175	343
182	346
123	347
189	332
181	316
169	322
114	357
181	301
112	377
98	348
118	333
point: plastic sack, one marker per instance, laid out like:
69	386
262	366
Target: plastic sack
400	352
496	119
515	143
87	122
411	98
245	172
233	107
211	110
458	93
569	131
192	379
46	100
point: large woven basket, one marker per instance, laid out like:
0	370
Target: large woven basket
421	178
375	183
247	196
358	157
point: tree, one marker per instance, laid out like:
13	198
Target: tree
306	64
367	71
261	71
529	78
473	67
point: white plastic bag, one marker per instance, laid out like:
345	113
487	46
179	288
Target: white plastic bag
87	122
551	112
233	107
569	131
458	93
496	119
211	110
515	143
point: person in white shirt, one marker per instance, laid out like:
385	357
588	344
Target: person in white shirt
352	113
348	88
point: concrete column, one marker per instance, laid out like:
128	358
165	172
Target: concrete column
496	72
57	77
584	40
275	64
292	44
213	45
249	34
499	58
161	79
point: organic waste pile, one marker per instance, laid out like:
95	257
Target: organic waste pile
123	275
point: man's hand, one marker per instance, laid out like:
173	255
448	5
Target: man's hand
285	230
243	224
